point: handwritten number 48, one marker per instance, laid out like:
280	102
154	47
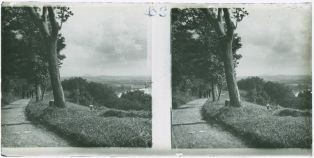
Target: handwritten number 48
153	11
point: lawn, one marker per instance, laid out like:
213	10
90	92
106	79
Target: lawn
261	127
84	127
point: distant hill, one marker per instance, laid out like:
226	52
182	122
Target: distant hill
283	78
117	80
111	78
296	82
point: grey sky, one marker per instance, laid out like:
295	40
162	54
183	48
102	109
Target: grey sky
106	40
112	40
276	40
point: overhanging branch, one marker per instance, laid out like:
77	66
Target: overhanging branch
229	23
43	28
216	22
53	22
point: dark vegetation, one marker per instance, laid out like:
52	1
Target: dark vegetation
180	98
261	92
80	91
101	127
281	128
129	113
23	56
197	60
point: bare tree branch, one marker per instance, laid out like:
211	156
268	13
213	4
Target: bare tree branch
62	15
44	15
217	24
54	24
219	15
229	23
39	23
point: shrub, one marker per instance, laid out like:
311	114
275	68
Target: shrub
280	94
121	113
292	112
304	99
139	96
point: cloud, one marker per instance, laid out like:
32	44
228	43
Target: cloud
106	40
276	40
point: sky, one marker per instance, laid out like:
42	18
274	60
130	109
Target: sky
276	41
106	40
112	40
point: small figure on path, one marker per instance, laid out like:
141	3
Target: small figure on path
91	107
268	106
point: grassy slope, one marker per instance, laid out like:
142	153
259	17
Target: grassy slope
86	128
258	125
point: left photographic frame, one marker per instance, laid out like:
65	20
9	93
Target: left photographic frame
75	75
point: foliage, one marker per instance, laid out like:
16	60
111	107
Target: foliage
280	94
255	90
143	100
8	98
24	60
85	93
195	51
262	93
180	98
304	99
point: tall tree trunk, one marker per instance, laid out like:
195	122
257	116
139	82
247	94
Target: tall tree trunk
219	91
214	90
43	92
49	29
37	90
233	89
53	66
225	28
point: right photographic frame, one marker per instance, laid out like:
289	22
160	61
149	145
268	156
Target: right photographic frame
241	76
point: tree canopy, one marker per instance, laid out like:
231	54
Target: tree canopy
24	57
195	49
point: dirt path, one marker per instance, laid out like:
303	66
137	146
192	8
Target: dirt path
17	131
190	131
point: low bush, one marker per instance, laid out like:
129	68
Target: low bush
292	112
122	113
258	126
139	98
85	128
